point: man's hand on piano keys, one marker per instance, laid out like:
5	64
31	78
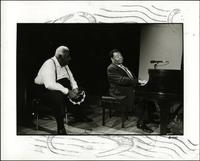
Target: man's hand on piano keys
142	82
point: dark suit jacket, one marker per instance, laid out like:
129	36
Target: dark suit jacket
121	86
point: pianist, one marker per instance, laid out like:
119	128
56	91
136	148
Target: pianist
122	86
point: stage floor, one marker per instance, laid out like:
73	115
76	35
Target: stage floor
47	126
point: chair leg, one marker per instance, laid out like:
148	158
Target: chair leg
123	115
65	119
35	103
123	119
110	112
37	122
103	115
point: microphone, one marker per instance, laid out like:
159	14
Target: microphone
158	61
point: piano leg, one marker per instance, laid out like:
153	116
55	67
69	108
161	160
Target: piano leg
164	116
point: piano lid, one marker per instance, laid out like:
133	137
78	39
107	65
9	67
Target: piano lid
164	81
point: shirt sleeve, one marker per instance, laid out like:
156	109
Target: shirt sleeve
49	78
72	80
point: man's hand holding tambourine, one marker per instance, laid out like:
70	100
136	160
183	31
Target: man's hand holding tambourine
72	94
76	96
75	90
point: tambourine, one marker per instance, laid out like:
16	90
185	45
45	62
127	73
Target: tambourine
79	98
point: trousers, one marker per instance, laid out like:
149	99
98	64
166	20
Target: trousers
144	109
56	100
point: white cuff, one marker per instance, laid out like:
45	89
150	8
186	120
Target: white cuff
65	91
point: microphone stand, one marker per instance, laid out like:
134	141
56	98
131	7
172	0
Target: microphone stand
155	65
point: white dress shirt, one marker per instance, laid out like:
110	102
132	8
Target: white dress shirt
46	76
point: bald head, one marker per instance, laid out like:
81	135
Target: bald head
63	55
61	50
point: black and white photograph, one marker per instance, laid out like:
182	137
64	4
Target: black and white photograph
113	78
99	80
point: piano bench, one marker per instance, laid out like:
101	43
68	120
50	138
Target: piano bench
108	102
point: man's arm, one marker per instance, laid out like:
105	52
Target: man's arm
115	77
49	78
72	80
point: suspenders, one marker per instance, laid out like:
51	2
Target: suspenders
56	70
81	94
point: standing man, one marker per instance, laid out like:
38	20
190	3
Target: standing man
122	85
57	81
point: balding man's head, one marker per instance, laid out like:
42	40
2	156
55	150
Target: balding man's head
61	50
63	55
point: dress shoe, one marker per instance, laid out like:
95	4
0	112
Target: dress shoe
62	131
144	127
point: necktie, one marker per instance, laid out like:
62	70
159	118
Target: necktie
127	71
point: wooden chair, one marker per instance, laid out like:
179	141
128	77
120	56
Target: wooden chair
39	108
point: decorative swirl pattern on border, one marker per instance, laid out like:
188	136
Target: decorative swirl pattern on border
124	14
164	10
131	147
126	147
78	17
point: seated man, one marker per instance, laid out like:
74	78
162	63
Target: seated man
122	83
57	83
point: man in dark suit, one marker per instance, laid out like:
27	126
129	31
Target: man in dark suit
122	86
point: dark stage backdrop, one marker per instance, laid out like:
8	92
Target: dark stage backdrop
89	45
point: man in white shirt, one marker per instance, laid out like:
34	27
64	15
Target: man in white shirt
58	83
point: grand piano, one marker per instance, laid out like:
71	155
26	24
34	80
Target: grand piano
164	87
